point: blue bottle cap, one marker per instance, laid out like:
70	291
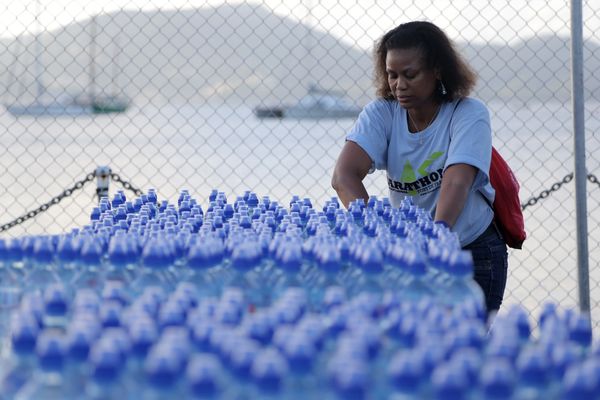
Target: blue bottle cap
564	355
119	339
371	259
497	379
242	358
50	349
290	257
43	249
449	382
246	256
300	352
120	252
161	367
580	382
143	334
580	330
24	330
268	370
203	375
258	326
91	250
349	378
55	300
79	340
329	258
405	372
158	253
171	314
116	291
533	366
68	248
110	314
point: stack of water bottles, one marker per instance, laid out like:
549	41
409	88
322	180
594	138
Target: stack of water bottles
253	299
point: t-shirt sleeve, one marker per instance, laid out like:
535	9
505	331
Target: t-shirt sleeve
471	139
372	131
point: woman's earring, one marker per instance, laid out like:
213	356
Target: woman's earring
443	88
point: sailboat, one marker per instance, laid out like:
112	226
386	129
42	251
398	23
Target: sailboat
46	104
105	103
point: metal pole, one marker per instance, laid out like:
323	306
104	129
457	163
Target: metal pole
579	148
103	181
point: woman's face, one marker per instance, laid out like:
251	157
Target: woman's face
411	83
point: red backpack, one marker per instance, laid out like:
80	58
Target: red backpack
507	207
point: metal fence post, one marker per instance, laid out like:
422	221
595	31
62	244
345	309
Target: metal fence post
577	96
103	181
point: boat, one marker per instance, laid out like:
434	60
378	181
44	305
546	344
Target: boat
316	104
46	104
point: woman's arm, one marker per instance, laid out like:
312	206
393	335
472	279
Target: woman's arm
456	183
351	167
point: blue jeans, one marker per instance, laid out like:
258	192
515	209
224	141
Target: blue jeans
490	258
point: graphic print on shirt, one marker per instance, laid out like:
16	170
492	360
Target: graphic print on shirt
426	181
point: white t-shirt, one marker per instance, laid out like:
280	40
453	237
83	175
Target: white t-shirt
415	162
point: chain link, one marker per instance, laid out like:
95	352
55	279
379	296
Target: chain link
557	185
545	193
127	185
55	200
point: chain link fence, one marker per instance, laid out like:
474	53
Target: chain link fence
169	95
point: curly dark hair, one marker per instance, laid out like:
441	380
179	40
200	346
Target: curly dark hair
438	53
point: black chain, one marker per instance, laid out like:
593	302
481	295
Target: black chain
126	184
545	193
55	200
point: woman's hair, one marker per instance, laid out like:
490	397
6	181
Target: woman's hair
437	51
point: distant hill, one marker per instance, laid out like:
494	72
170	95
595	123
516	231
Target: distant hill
245	53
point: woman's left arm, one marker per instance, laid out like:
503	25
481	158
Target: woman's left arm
456	184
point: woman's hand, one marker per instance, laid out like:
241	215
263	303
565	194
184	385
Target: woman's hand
351	167
456	184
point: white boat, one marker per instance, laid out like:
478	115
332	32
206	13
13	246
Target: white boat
317	104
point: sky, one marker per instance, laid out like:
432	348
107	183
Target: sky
357	22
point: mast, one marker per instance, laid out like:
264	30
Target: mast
38	53
92	70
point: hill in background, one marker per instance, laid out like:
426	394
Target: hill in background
245	53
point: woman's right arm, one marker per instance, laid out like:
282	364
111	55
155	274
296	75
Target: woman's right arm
352	165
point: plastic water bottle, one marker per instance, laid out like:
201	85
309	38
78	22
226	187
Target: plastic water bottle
67	256
55	307
105	373
204	266
460	287
90	261
10	294
156	259
42	271
48	379
17	368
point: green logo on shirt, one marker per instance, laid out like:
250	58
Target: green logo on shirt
425	182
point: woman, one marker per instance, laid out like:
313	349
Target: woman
421	128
